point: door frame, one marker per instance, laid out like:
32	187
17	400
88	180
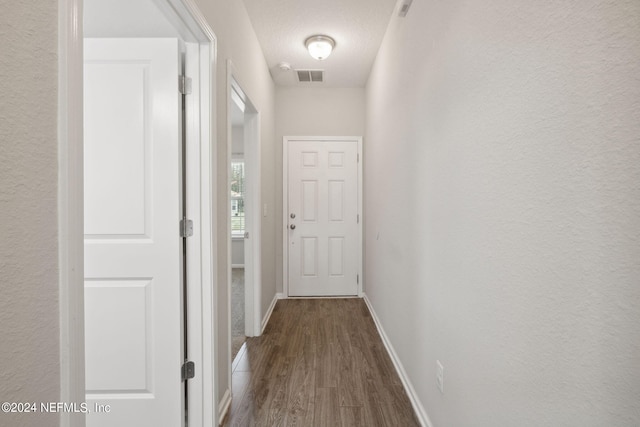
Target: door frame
253	223
201	48
286	140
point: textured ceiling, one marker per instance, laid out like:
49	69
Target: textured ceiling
357	26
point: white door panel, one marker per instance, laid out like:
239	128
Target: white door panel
133	271
323	233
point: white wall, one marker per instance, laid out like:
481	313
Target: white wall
29	332
106	19
502	175
319	111
237	42
310	111
237	141
237	252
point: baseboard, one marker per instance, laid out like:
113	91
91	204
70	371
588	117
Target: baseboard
421	413
237	265
267	315
224	405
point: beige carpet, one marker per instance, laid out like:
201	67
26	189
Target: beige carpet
236	345
237	310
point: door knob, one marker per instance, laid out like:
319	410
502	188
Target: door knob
292	226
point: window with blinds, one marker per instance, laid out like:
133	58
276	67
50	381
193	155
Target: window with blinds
237	198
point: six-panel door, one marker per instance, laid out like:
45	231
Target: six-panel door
323	236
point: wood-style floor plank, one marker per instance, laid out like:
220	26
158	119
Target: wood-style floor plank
320	362
351	416
326	407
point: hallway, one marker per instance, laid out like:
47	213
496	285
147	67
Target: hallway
500	213
319	362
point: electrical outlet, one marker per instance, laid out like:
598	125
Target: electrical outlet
440	376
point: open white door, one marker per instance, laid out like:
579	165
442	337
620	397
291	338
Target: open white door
322	217
133	271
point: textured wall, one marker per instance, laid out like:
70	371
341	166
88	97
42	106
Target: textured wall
29	333
312	111
503	208
319	111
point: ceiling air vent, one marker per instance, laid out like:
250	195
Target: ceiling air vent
310	75
404	8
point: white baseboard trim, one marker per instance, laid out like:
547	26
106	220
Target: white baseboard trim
267	315
224	405
421	413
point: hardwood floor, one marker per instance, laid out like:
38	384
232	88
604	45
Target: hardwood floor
320	362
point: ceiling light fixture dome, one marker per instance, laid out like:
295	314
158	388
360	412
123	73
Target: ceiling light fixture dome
320	47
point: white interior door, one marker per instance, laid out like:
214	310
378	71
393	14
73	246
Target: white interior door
322	218
133	331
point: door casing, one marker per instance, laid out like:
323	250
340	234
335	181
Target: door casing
253	223
286	140
201	52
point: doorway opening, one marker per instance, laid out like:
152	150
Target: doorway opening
244	218
113	333
238	228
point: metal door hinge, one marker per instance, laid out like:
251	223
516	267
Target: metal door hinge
358	219
246	234
188	370
184	85
358	279
186	227
358	157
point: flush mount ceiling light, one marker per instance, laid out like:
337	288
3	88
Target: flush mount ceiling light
320	46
